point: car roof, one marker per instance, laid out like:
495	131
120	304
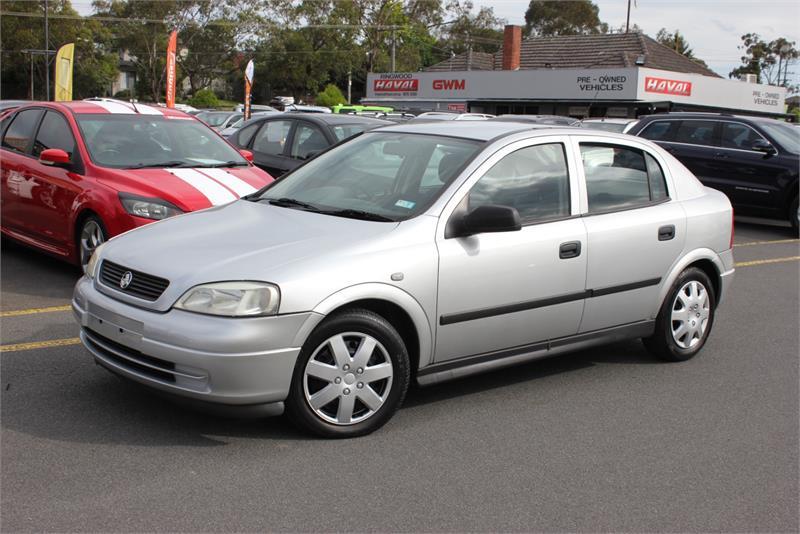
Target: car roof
612	120
700	115
326	118
478	130
111	107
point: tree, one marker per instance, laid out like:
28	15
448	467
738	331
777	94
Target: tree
675	41
204	99
330	97
554	17
478	32
766	60
95	64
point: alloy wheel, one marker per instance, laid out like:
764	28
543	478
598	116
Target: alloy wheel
92	236
348	378
691	310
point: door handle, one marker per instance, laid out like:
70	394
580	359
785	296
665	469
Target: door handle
665	233
721	155
571	249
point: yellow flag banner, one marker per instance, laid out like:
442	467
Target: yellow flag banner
64	61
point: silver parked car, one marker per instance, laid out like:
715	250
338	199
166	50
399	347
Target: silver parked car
419	252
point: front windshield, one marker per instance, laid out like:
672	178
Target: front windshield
214	119
786	135
130	141
392	175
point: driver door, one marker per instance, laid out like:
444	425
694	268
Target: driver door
505	290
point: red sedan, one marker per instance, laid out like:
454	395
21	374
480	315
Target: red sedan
75	174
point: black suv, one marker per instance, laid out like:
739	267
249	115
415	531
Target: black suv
754	161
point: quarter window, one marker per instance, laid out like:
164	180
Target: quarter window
53	133
533	180
741	136
271	139
620	177
19	133
696	133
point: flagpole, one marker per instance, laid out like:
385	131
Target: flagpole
628	20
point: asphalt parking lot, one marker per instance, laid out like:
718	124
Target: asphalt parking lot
607	439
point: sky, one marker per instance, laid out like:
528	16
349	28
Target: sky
713	28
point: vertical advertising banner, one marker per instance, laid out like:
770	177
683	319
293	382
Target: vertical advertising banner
248	87
64	60
171	49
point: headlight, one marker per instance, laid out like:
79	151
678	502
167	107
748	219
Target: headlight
149	208
232	299
94	261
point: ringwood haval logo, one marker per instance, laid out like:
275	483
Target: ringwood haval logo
395	86
667	87
449	85
126	279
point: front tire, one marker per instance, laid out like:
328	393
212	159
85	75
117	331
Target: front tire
351	376
91	235
685	319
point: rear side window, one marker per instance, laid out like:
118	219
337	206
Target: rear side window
620	177
343	131
20	131
307	140
696	133
54	133
271	138
657	131
741	136
533	180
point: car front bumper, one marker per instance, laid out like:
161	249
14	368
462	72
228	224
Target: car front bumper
238	362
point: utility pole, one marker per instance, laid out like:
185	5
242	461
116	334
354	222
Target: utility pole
47	48
628	19
349	85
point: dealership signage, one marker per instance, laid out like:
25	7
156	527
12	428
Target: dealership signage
583	85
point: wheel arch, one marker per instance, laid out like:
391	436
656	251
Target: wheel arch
704	259
395	305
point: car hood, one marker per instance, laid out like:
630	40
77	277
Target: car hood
240	241
189	189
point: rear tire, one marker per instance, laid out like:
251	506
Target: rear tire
794	215
685	319
351	376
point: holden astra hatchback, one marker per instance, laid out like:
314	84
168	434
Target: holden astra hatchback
422	251
76	173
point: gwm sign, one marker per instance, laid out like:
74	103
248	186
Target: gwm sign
449	85
667	87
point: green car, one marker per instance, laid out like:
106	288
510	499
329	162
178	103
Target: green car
352	108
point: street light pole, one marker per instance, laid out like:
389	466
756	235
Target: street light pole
393	48
628	19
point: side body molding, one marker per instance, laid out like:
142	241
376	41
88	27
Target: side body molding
389	293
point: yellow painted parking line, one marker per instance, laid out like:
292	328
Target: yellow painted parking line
40	344
32	311
774	242
764	262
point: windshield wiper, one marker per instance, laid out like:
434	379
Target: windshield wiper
359	214
161	165
290	203
223	164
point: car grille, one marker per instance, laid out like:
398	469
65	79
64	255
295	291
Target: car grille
142	285
130	358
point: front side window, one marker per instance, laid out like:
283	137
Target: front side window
271	138
54	133
739	136
19	132
131	141
384	175
619	177
696	133
533	180
246	134
308	140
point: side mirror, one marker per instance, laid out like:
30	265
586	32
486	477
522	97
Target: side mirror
54	157
760	145
246	154
491	218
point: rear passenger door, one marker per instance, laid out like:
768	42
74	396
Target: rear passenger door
270	147
635	233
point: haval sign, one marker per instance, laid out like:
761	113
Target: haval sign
667	87
449	85
396	85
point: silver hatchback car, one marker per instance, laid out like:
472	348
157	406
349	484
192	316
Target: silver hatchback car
419	252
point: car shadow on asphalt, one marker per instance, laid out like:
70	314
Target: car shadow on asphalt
32	273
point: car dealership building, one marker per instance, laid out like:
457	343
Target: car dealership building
611	75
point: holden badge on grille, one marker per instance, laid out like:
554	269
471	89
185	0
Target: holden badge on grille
125	281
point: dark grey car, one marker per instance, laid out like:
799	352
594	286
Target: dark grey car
282	142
